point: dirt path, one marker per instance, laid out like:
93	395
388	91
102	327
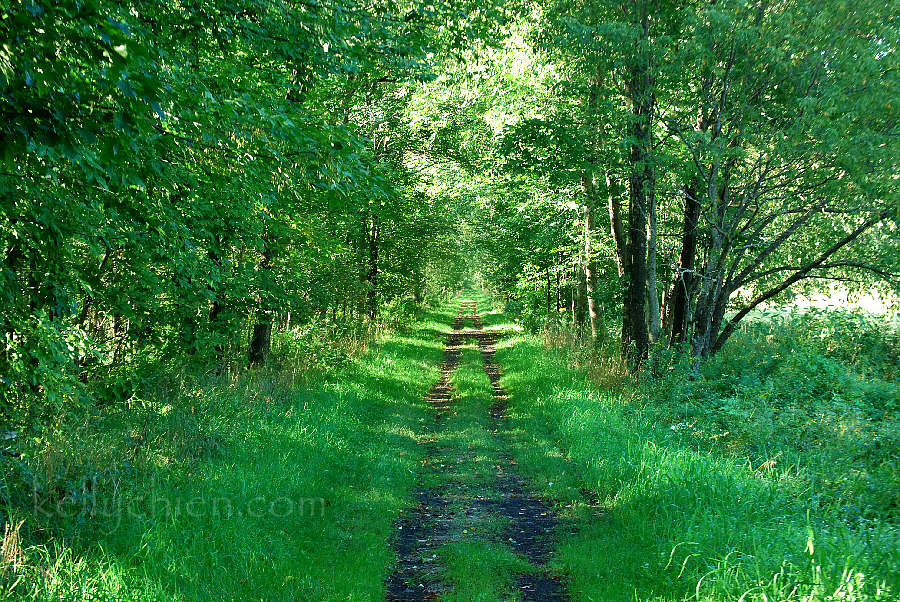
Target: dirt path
473	493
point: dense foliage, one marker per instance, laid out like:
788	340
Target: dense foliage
177	178
202	203
712	156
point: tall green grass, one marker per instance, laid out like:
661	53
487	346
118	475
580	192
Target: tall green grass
743	483
250	489
677	517
812	395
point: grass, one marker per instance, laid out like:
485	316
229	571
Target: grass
246	490
480	570
812	397
260	488
681	518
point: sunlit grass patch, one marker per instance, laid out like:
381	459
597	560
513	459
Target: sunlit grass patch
268	488
676	516
481	570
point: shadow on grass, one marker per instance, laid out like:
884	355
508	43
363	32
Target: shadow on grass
666	520
296	502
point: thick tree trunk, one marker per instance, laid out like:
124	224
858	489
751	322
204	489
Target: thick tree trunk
683	284
641	185
260	343
634	317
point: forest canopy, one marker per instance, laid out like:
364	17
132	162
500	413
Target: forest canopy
180	180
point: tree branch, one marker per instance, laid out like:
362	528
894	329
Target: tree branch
798	275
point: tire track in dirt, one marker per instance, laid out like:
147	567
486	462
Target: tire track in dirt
454	509
422	529
532	521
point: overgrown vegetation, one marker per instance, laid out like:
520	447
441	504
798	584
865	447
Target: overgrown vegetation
225	227
772	475
179	182
225	487
813	396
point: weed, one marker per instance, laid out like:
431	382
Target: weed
772	476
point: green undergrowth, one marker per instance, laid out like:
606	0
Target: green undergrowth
480	570
263	487
770	476
663	515
811	397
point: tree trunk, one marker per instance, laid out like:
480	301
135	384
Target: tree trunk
712	278
683	284
641	184
261	339
580	296
549	293
652	286
572	294
419	290
372	274
260	343
616	228
215	309
589	187
590	270
590	264
558	291
634	317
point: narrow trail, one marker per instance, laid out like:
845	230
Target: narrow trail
471	493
